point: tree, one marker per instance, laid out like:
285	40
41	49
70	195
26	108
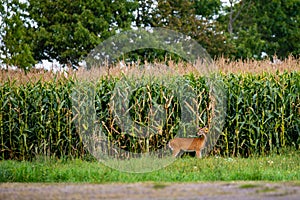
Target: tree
144	13
207	8
279	25
196	19
263	26
15	47
2	32
67	30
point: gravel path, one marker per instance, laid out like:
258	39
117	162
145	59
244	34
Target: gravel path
205	190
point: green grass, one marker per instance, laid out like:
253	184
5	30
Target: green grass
249	185
268	168
267	189
158	186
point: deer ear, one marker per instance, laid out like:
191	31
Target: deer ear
206	130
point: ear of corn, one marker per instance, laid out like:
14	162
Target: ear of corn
262	116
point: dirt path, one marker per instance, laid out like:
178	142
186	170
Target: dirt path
214	190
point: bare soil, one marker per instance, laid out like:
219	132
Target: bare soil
202	190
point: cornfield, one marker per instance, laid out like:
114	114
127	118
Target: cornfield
37	117
263	114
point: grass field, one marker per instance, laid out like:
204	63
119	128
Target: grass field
264	168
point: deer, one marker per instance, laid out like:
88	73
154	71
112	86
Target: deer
177	145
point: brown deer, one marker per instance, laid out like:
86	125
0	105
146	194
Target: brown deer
189	144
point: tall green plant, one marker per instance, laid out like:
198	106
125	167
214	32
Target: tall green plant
36	118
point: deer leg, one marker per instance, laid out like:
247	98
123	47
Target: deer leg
176	153
198	154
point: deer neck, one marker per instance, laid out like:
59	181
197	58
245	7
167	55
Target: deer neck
205	137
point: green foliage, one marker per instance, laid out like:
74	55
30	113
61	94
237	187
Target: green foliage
262	116
248	44
35	119
193	18
16	48
207	8
263	26
144	13
68	30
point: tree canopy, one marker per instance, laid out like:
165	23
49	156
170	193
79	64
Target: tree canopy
67	31
15	46
263	26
